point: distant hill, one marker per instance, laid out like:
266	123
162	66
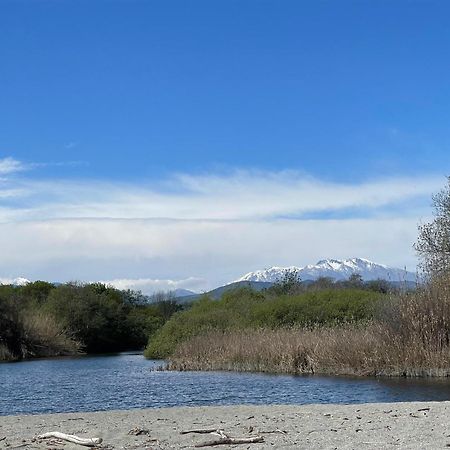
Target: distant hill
217	293
255	285
178	293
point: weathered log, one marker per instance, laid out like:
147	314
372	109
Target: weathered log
89	442
231	441
200	431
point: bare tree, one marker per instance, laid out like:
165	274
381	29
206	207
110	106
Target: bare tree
289	283
433	243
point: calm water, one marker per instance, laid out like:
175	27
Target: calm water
128	381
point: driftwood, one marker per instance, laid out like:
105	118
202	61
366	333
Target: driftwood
200	431
229	440
224	439
89	442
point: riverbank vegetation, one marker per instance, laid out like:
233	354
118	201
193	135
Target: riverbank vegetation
408	335
43	319
328	331
243	309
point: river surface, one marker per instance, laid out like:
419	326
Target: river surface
130	381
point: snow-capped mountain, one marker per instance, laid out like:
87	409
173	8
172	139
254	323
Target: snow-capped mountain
15	281
336	269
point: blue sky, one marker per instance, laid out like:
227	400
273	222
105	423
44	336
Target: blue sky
159	109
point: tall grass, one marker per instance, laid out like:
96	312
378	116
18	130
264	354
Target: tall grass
38	335
44	336
408	336
337	351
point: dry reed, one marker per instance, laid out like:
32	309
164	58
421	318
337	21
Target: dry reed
44	336
5	354
410	336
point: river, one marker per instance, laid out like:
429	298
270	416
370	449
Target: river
130	381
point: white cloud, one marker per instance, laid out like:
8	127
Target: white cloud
205	230
10	165
242	195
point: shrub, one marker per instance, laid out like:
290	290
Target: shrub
244	308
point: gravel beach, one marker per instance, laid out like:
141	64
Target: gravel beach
362	426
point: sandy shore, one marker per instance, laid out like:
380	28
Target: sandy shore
366	426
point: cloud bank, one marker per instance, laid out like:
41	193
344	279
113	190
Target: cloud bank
147	285
197	231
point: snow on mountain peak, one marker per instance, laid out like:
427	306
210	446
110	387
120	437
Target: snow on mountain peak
14	281
336	269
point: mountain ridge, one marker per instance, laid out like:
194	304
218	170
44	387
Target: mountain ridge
337	269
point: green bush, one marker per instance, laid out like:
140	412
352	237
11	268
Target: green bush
244	308
325	307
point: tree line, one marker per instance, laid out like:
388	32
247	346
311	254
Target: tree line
44	319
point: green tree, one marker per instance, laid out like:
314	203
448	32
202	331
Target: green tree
94	313
37	291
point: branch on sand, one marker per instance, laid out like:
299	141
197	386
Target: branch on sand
89	442
224	439
200	431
